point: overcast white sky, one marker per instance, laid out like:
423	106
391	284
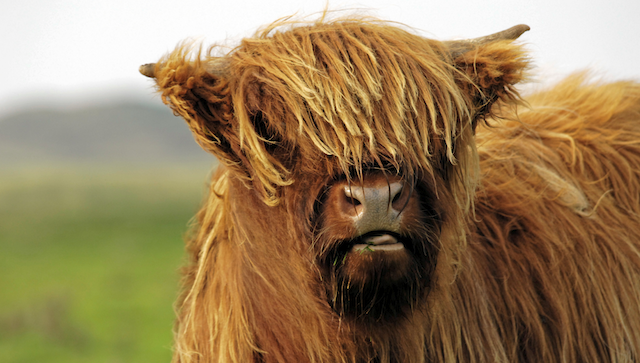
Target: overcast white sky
67	52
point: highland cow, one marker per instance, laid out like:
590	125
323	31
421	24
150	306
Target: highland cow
383	197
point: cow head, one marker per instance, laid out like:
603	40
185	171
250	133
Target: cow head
351	141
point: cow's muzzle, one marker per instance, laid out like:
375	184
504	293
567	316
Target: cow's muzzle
375	208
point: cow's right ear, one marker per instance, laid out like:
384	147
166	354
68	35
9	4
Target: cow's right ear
198	91
490	67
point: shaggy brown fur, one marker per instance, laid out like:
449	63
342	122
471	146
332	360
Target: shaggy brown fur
524	248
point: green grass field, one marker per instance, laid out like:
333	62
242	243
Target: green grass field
89	261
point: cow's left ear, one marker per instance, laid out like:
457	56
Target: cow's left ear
198	91
489	68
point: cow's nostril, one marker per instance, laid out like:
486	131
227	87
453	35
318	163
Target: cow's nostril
401	197
396	197
355	195
353	201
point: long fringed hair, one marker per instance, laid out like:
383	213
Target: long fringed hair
538	264
557	237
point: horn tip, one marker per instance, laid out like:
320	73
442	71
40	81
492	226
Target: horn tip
516	31
521	28
148	70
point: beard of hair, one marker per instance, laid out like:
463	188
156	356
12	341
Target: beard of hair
381	286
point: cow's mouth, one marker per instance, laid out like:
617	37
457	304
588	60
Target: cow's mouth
378	241
377	275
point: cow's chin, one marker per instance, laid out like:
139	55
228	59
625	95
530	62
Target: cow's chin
377	281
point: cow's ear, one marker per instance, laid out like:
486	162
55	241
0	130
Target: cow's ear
489	68
225	119
198	91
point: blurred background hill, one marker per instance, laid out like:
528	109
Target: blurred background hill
124	133
94	204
